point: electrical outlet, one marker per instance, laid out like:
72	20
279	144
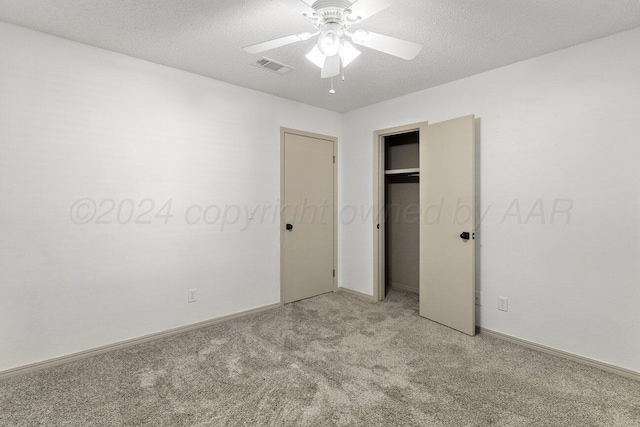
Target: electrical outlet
503	304
478	298
191	297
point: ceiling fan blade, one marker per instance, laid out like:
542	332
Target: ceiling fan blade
331	67
299	6
272	44
390	45
366	8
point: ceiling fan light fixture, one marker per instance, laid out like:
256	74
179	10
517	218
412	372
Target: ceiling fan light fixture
316	56
348	53
329	43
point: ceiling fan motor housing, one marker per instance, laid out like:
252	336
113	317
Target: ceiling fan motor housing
331	4
332	11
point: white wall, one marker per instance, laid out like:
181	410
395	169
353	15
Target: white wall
79	122
561	126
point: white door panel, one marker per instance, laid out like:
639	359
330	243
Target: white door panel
308	207
447	202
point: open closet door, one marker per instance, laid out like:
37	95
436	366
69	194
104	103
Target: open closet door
447	203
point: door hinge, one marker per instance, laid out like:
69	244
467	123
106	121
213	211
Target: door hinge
334	273
334	159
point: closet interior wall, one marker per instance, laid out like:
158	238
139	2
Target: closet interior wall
402	207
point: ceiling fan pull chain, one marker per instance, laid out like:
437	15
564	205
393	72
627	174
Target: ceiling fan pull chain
332	90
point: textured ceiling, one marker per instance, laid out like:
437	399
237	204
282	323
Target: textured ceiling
460	37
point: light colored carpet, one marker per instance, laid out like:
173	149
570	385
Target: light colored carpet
336	359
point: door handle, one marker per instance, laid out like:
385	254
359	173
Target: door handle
464	235
289	227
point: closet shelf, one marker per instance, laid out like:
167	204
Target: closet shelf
402	171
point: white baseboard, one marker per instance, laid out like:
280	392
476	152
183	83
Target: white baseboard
33	367
26	369
360	294
403	288
627	373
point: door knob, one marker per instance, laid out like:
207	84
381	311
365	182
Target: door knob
289	227
464	235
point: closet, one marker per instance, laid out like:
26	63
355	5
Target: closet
402	212
425	205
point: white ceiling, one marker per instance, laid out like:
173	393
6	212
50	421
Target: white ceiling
460	37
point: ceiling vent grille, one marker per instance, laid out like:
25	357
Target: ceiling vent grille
273	66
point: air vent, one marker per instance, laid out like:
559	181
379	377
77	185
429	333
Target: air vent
273	66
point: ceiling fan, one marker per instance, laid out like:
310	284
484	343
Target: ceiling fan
332	19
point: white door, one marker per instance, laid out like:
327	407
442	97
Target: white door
447	203
308	234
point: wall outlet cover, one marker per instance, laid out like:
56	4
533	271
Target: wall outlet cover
191	296
503	304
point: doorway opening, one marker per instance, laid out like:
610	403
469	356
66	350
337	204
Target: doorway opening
402	212
397	204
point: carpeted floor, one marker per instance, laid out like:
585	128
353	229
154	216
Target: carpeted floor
336	359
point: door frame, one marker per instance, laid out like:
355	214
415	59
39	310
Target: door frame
379	202
334	140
